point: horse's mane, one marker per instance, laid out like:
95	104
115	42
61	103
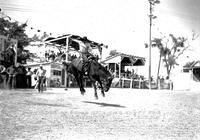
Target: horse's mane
99	66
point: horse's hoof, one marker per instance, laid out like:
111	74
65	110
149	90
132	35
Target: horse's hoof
96	97
82	92
102	93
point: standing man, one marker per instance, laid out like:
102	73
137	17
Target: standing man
28	77
2	68
40	77
11	79
2	76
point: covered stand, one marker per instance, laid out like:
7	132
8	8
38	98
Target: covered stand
117	63
71	43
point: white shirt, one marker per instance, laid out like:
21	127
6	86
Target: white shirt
40	72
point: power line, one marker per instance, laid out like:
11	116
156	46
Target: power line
3	15
23	8
16	9
12	4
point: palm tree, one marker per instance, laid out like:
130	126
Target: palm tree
157	42
178	47
170	52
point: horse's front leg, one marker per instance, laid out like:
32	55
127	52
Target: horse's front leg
95	90
81	84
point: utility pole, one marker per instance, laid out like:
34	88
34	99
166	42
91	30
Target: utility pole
151	16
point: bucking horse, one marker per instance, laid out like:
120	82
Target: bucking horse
96	73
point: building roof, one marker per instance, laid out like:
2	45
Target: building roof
73	41
191	65
129	60
42	63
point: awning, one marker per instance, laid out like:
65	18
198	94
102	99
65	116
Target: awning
126	60
74	41
113	60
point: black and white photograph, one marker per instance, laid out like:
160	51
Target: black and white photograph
99	70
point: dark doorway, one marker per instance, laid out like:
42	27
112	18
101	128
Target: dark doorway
196	74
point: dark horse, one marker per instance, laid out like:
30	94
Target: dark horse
96	73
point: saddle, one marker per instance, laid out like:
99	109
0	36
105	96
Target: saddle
78	63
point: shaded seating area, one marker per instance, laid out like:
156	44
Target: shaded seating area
122	66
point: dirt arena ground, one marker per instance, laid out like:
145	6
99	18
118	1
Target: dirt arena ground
128	114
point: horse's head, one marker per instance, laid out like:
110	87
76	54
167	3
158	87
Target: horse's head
107	80
99	72
107	83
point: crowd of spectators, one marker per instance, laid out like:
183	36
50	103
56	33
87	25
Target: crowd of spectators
18	77
53	56
14	77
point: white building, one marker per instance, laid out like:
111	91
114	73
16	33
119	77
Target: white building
188	78
55	73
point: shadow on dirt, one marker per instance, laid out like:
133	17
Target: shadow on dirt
105	104
48	104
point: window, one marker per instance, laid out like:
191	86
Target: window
57	72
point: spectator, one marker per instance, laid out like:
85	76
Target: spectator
40	77
162	80
20	81
11	79
169	83
28	77
46	54
2	69
2	76
34	79
52	55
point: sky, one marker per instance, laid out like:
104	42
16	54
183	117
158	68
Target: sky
121	24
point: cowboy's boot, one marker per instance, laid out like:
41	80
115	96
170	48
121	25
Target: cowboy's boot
85	68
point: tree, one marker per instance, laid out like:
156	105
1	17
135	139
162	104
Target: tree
16	31
39	38
171	49
157	42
